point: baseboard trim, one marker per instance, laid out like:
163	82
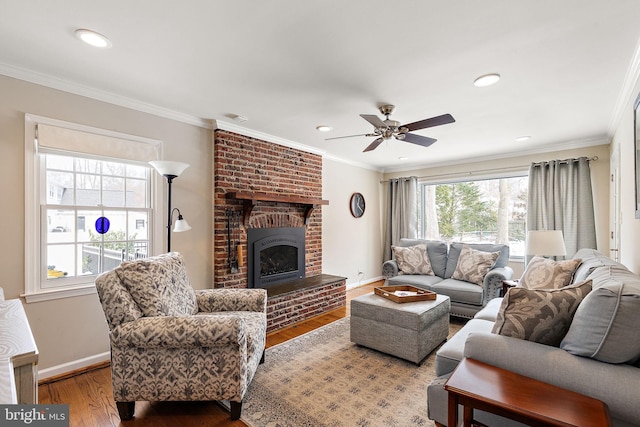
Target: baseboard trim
72	368
364	282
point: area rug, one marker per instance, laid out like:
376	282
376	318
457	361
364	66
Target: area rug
323	379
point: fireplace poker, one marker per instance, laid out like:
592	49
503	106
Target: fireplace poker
233	262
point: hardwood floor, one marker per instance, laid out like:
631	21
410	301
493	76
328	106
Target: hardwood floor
91	401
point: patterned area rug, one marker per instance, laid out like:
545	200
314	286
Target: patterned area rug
323	379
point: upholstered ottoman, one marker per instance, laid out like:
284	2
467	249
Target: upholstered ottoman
409	330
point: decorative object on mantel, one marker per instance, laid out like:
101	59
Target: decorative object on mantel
234	253
171	170
250	200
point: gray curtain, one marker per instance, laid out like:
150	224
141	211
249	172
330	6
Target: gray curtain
560	198
402	212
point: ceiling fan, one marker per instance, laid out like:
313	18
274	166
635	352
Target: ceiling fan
386	129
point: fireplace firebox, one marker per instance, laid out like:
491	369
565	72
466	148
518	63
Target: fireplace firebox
275	255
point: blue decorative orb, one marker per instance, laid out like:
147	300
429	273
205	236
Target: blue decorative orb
102	225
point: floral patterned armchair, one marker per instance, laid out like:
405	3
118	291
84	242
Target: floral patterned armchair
171	343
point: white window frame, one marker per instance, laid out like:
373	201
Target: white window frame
35	291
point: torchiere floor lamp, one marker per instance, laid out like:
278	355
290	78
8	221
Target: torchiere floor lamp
171	170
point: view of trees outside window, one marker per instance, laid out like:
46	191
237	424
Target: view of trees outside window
79	191
483	211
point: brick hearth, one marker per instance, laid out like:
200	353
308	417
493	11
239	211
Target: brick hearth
248	164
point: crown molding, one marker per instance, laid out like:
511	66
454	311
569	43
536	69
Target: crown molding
100	95
218	124
568	145
353	163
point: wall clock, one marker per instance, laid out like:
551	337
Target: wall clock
356	205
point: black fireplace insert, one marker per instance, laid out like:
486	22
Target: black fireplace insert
275	255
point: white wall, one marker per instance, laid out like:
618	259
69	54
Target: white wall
70	329
623	141
349	244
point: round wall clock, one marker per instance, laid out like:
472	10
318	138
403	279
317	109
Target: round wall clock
356	205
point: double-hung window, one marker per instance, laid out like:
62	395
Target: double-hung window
89	205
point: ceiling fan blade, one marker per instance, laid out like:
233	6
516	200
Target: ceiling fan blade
347	136
374	120
425	141
433	121
373	145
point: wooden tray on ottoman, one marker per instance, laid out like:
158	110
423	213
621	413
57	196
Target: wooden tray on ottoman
417	294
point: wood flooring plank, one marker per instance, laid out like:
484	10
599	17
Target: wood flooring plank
90	398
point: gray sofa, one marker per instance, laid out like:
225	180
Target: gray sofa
597	357
466	298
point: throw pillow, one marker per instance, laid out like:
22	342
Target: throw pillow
543	273
413	259
473	265
542	315
159	285
605	326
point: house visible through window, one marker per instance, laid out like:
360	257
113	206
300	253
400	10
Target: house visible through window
482	211
88	205
90	189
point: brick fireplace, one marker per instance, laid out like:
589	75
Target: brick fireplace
258	184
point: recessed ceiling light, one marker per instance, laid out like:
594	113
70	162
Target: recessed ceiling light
93	38
523	138
486	80
324	128
403	158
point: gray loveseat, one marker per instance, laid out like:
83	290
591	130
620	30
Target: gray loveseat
466	298
597	357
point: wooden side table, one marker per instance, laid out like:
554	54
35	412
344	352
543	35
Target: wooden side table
507	284
477	385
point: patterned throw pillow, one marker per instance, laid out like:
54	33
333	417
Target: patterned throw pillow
473	265
543	273
159	285
542	316
413	259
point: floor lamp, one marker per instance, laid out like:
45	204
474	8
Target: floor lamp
171	170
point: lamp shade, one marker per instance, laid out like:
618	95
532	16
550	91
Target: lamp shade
545	242
169	168
181	225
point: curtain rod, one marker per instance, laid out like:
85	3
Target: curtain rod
486	171
566	161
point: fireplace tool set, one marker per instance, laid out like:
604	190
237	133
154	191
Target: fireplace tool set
234	250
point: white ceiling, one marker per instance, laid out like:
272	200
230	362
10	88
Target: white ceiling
289	66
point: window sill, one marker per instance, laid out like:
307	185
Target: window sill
59	293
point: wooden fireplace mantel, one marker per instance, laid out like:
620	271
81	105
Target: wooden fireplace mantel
251	199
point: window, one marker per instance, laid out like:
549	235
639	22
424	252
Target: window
89	204
481	211
92	194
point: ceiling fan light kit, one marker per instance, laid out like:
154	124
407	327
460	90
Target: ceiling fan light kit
387	129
